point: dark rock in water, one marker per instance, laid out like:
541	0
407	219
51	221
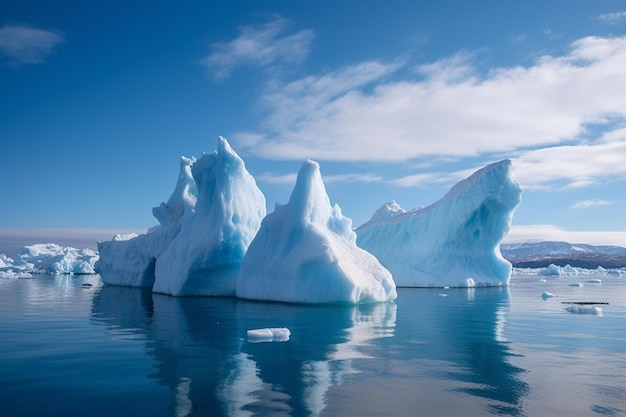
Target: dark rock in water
86	285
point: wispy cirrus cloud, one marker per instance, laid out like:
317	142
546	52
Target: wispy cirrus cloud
586	204
22	45
263	46
613	17
574	166
542	112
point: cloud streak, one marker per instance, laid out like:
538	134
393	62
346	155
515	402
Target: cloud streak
612	18
586	204
23	45
262	46
543	112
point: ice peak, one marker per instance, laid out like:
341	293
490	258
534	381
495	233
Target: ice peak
387	211
309	199
183	197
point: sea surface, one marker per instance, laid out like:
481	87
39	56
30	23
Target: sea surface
70	346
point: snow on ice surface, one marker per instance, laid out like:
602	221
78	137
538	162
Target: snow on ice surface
306	252
48	258
455	241
129	260
270	334
205	257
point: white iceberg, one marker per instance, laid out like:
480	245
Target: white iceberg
130	260
48	258
269	334
205	257
306	252
453	242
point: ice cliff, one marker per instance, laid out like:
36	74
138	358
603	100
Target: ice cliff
204	231
306	252
204	258
453	242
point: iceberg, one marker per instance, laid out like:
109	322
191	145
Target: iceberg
306	252
129	260
204	258
48	258
455	241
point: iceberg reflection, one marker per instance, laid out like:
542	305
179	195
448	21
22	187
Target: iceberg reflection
201	353
447	353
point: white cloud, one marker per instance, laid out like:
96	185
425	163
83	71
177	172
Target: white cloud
277	179
262	46
543	232
585	204
27	45
613	17
359	114
574	166
364	177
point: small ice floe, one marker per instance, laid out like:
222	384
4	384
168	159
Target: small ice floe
15	274
577	284
446	288
545	295
595	281
542	280
443	295
269	334
585	309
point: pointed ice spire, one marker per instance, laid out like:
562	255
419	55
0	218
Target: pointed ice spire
306	252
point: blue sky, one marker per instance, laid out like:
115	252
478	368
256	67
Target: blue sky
397	100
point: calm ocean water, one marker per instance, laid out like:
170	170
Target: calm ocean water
71	347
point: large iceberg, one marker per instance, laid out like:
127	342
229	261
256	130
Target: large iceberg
306	252
205	257
453	242
130	260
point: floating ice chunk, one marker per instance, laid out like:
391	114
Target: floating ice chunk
597	311
454	239
306	252
443	295
595	281
269	334
577	284
545	295
52	259
12	274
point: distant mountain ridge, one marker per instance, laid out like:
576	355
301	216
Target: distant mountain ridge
541	254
